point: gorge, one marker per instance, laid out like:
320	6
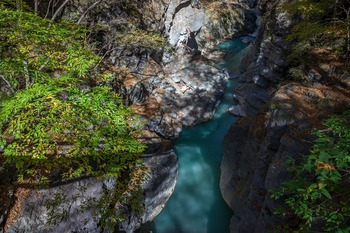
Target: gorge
196	204
206	170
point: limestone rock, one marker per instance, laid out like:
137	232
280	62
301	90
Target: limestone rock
279	115
254	162
224	20
181	18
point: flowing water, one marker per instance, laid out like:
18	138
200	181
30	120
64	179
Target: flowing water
196	206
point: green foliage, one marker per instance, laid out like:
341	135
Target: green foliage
47	128
135	37
298	59
120	195
142	38
31	48
320	18
130	31
319	188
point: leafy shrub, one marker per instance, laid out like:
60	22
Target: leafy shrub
49	129
32	48
319	188
49	126
322	33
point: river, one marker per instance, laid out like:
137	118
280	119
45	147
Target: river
196	206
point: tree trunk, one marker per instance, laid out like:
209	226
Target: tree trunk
36	3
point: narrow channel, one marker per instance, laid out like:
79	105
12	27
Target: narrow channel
196	206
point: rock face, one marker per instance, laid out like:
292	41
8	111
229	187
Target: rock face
174	85
169	85
266	65
73	207
256	149
252	165
279	116
184	87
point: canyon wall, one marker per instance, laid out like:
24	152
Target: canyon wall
278	115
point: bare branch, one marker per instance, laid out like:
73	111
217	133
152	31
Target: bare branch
346	10
87	10
48	9
7	83
36	4
26	72
59	10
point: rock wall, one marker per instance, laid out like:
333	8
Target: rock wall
174	85
278	117
252	165
266	65
256	149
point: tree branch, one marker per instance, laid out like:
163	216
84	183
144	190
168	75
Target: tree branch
87	10
45	63
59	10
48	9
7	83
26	72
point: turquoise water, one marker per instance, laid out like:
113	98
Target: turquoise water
196	205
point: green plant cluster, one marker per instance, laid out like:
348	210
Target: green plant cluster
57	122
127	31
49	128
49	121
32	48
319	188
142	38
